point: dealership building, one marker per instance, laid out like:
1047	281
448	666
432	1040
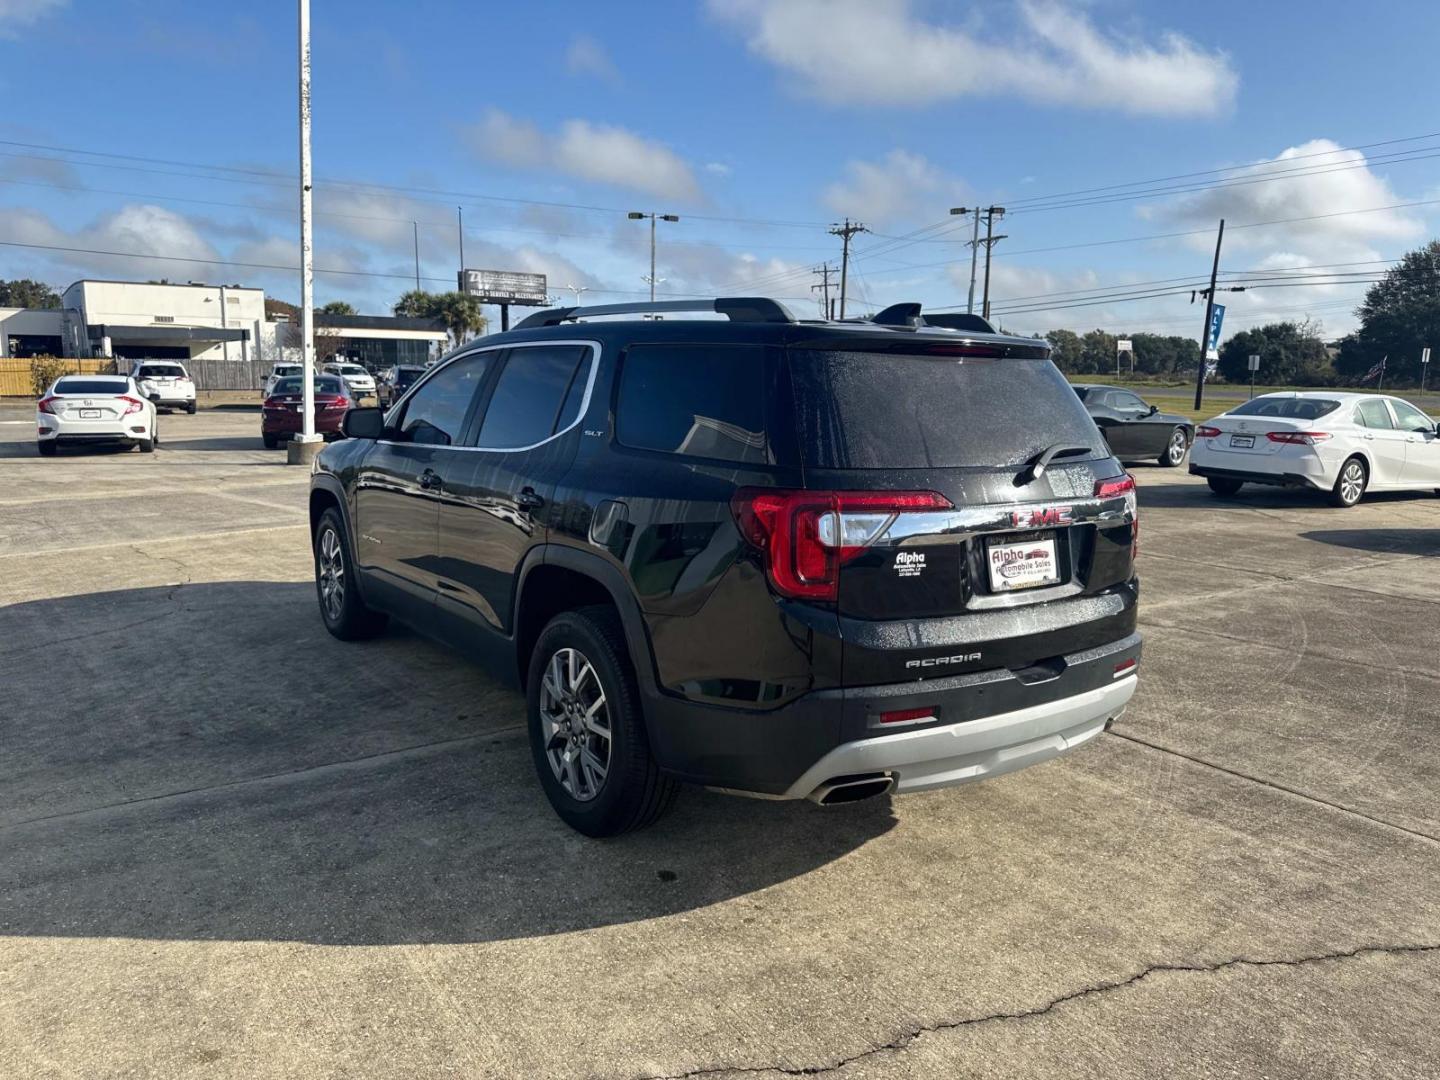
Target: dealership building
131	320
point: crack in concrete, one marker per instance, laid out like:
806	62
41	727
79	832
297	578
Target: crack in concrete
903	1040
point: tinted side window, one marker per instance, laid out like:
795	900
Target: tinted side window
436	414
1410	418
701	400
527	401
1373	414
1123	399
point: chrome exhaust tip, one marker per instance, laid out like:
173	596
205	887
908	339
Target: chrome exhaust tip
848	789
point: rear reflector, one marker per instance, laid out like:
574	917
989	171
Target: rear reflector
907	716
1125	667
1298	438
1205	431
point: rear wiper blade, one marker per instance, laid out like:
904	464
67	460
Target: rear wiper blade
1035	467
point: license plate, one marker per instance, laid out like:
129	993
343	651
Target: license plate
1022	564
89	414
1242	440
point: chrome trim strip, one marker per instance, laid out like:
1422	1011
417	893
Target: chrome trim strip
594	347
957	526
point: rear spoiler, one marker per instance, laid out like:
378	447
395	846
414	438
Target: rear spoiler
908	314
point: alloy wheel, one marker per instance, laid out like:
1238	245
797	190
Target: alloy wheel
332	575
1352	482
575	724
1178	443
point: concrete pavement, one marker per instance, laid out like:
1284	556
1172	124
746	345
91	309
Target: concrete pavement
231	846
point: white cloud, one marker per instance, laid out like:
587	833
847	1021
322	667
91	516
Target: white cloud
18	13
718	168
900	185
598	152
586	56
859	52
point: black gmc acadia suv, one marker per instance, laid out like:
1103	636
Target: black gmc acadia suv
782	558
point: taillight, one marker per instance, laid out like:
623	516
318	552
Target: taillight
1205	431
1298	438
47	405
132	405
338	403
806	536
182	378
1124	485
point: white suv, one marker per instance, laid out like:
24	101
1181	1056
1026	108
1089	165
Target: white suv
278	372
166	383
357	380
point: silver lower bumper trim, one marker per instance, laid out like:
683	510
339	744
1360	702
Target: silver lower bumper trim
974	749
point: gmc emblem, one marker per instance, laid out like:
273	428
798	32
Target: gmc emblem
1041	517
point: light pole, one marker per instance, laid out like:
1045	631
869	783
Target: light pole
302	450
636	215
577	290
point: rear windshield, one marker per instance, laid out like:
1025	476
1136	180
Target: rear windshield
1292	408
893	411
324	384
91	386
163	371
289	369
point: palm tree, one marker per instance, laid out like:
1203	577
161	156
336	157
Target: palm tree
459	311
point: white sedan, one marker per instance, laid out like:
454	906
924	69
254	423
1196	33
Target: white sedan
95	410
357	380
1343	444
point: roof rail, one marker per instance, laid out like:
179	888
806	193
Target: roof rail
738	308
908	314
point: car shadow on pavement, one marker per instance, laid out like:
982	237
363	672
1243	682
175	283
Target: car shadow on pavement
286	786
1258	496
1384	541
231	442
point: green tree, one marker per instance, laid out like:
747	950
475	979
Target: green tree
459	311
338	307
1291	354
25	293
1168	354
1399	317
1065	350
1097	352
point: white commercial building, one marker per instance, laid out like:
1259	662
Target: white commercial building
131	320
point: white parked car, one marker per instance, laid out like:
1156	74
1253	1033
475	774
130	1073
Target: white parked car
357	380
166	383
95	410
1343	444
278	372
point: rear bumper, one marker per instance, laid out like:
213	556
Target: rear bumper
986	723
1275	479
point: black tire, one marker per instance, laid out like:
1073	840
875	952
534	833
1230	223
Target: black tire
1176	447
270	442
1350	484
1224	486
190	408
349	619
47	449
147	446
634	792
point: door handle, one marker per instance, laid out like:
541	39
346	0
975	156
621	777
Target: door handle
528	499
430	480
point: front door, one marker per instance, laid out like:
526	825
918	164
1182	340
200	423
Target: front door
1422	447
497	505
401	480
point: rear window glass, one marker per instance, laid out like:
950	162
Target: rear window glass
1373	414
1291	408
525	407
287	369
162	371
324	384
860	410
699	400
91	386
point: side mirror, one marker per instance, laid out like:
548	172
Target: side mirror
1153	410
363	423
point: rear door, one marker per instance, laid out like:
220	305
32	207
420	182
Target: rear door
497	491
935	581
399	484
1383	442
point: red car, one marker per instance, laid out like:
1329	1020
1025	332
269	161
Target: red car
280	414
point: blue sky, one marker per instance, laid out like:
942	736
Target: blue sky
759	122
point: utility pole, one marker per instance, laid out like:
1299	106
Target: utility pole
637	215
308	440
824	288
991	213
845	232
1209	311
416	224
460	232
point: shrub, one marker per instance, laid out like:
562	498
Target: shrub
44	370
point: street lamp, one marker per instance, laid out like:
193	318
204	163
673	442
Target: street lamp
577	290
636	215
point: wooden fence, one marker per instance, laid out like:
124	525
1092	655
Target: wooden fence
15	375
16	380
